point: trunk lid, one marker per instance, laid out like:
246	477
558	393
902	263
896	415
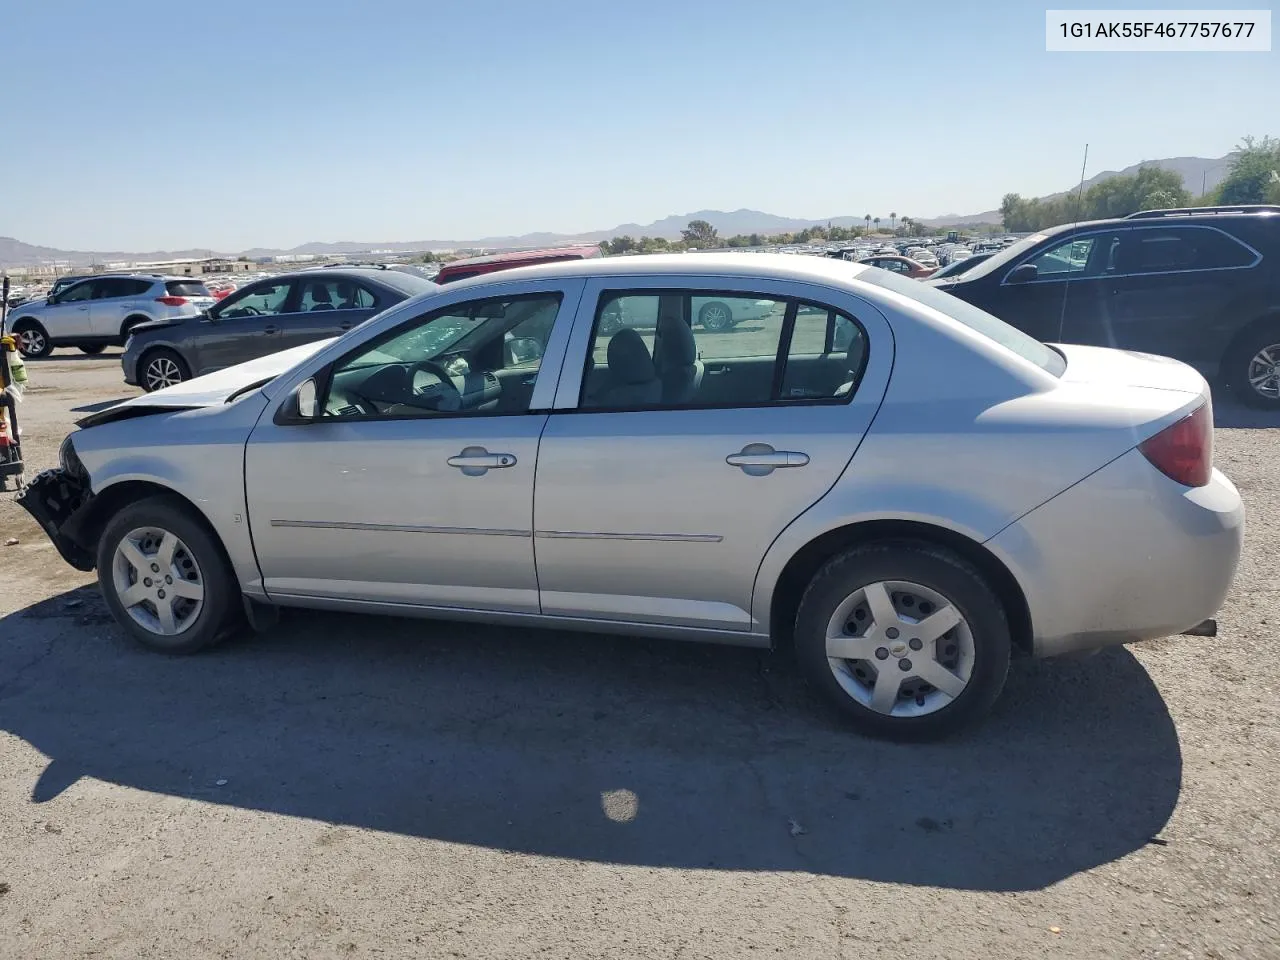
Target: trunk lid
1103	365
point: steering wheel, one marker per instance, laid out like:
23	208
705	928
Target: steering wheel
450	399
243	312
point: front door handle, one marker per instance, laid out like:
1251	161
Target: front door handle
271	331
477	461
760	459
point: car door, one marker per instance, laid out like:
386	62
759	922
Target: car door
414	485
326	306
114	299
1068	283
244	325
69	317
656	504
1164	291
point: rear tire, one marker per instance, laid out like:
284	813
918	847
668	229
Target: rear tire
33	341
92	349
161	368
867	604
155	556
1252	368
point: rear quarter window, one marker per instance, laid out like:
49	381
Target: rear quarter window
976	319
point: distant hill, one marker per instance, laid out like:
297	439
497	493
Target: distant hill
1197	173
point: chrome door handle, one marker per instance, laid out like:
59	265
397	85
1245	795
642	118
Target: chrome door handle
760	459
477	461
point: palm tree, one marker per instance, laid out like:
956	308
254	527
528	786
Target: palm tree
893	221
868	219
877	223
906	223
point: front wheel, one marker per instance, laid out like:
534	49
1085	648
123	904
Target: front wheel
1254	369
32	339
905	638
165	577
715	317
162	368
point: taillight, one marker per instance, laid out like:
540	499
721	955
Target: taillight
171	301
1183	451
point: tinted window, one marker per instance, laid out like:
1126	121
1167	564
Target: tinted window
975	319
122	287
186	288
81	291
1067	259
1161	250
258	301
333	293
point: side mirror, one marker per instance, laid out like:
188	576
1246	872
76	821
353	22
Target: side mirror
522	350
50	300
305	398
1022	273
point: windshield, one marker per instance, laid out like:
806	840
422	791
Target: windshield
972	317
1007	255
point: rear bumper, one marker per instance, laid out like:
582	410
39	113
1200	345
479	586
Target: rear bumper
1125	555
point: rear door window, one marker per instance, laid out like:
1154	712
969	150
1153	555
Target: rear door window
1173	249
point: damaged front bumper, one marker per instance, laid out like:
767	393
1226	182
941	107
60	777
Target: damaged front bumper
61	502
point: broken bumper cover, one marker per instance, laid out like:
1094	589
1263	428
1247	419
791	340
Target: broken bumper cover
60	502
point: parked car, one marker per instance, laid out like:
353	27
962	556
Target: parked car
100	311
476	266
261	318
713	314
1201	285
896	263
959	265
1003	495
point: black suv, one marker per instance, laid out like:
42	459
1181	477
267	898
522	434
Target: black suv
1200	284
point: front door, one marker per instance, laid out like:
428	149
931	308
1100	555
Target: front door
677	454
68	316
245	325
415	486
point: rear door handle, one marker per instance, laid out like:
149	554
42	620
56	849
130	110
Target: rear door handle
760	459
477	461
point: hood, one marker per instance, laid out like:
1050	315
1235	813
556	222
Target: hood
209	390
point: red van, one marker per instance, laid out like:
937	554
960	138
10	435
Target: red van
474	266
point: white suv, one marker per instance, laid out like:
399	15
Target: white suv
99	311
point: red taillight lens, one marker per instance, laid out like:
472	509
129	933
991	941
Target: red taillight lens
1183	451
171	301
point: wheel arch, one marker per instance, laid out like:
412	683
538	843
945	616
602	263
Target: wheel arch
132	321
115	497
808	559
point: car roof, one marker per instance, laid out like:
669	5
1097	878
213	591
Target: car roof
771	266
406	283
579	251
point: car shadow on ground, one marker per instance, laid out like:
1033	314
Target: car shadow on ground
1231	413
613	750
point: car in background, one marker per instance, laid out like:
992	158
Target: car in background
870	507
260	318
713	314
100	311
897	263
959	265
476	266
1200	284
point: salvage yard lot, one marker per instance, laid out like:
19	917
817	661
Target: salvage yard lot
353	786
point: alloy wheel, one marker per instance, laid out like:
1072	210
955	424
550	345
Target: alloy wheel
30	341
1264	372
157	581
162	372
900	649
715	317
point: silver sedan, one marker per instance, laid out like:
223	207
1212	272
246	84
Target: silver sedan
903	487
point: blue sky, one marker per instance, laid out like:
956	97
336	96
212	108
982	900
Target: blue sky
141	126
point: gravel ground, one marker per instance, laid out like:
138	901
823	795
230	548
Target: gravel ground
351	786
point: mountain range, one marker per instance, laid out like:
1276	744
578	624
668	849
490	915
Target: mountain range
1198	174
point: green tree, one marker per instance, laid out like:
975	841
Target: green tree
867	217
1255	170
876	221
700	233
893	221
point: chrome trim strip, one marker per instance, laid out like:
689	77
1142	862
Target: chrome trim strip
397	528
1257	257
590	535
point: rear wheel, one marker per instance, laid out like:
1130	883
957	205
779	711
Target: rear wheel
161	368
93	349
906	639
715	316
1253	369
165	578
32	339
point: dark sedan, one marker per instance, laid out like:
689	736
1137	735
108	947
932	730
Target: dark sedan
260	318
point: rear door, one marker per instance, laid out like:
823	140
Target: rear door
656	504
115	299
326	306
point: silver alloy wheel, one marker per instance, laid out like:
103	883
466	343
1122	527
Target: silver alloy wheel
30	341
716	317
900	648
1264	372
162	372
157	580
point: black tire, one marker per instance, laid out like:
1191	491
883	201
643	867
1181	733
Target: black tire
715	317
938	570
1240	360
155	362
33	340
129	324
92	349
221	611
